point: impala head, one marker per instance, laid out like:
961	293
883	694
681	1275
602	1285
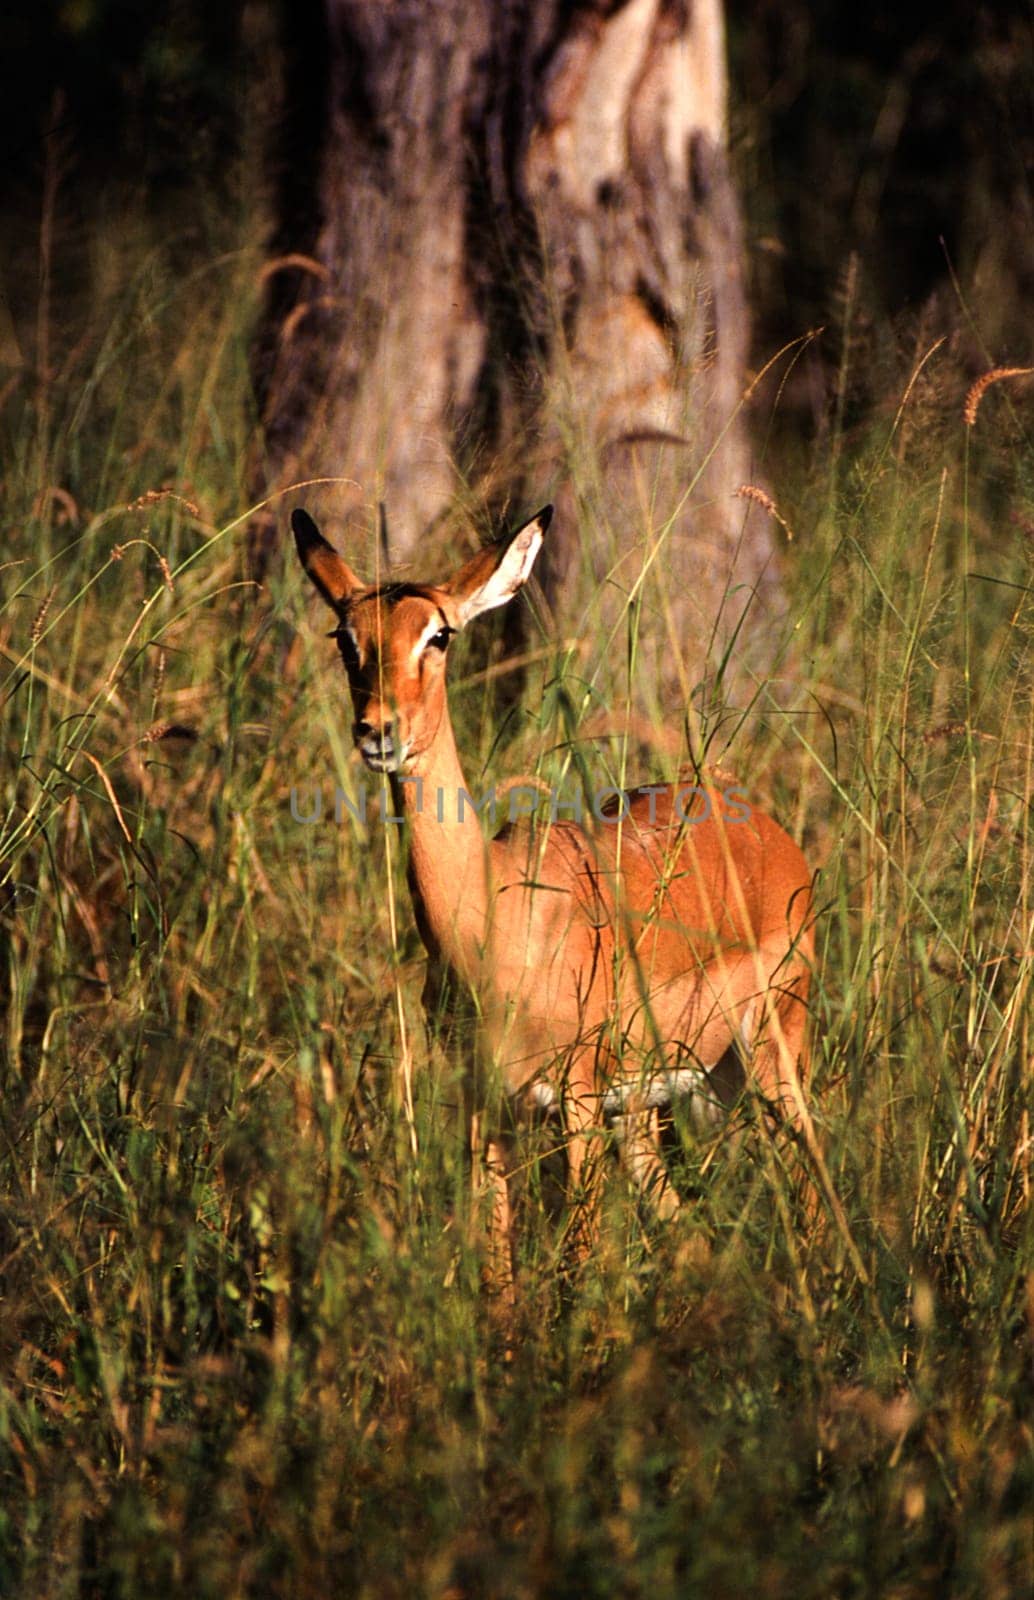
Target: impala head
394	638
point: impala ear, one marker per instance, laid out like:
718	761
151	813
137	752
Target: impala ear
496	573
332	576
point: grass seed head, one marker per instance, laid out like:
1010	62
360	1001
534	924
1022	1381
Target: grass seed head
41	615
977	390
761	497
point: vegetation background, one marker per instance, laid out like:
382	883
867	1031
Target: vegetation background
242	1344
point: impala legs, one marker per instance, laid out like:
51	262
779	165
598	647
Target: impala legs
769	993
491	1178
637	1131
779	1066
583	1120
775	1052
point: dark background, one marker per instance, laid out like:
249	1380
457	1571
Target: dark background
901	133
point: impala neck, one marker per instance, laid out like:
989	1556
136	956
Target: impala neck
447	869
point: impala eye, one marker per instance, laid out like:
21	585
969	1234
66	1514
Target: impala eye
439	640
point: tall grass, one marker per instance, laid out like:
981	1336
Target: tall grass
244	1348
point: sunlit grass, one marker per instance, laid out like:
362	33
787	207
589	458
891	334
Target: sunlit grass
244	1346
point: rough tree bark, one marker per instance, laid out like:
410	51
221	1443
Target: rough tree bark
526	279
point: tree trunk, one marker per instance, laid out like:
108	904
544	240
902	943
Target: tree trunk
526	281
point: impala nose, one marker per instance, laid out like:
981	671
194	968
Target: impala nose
367	732
377	745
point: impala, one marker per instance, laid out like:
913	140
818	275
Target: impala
609	969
